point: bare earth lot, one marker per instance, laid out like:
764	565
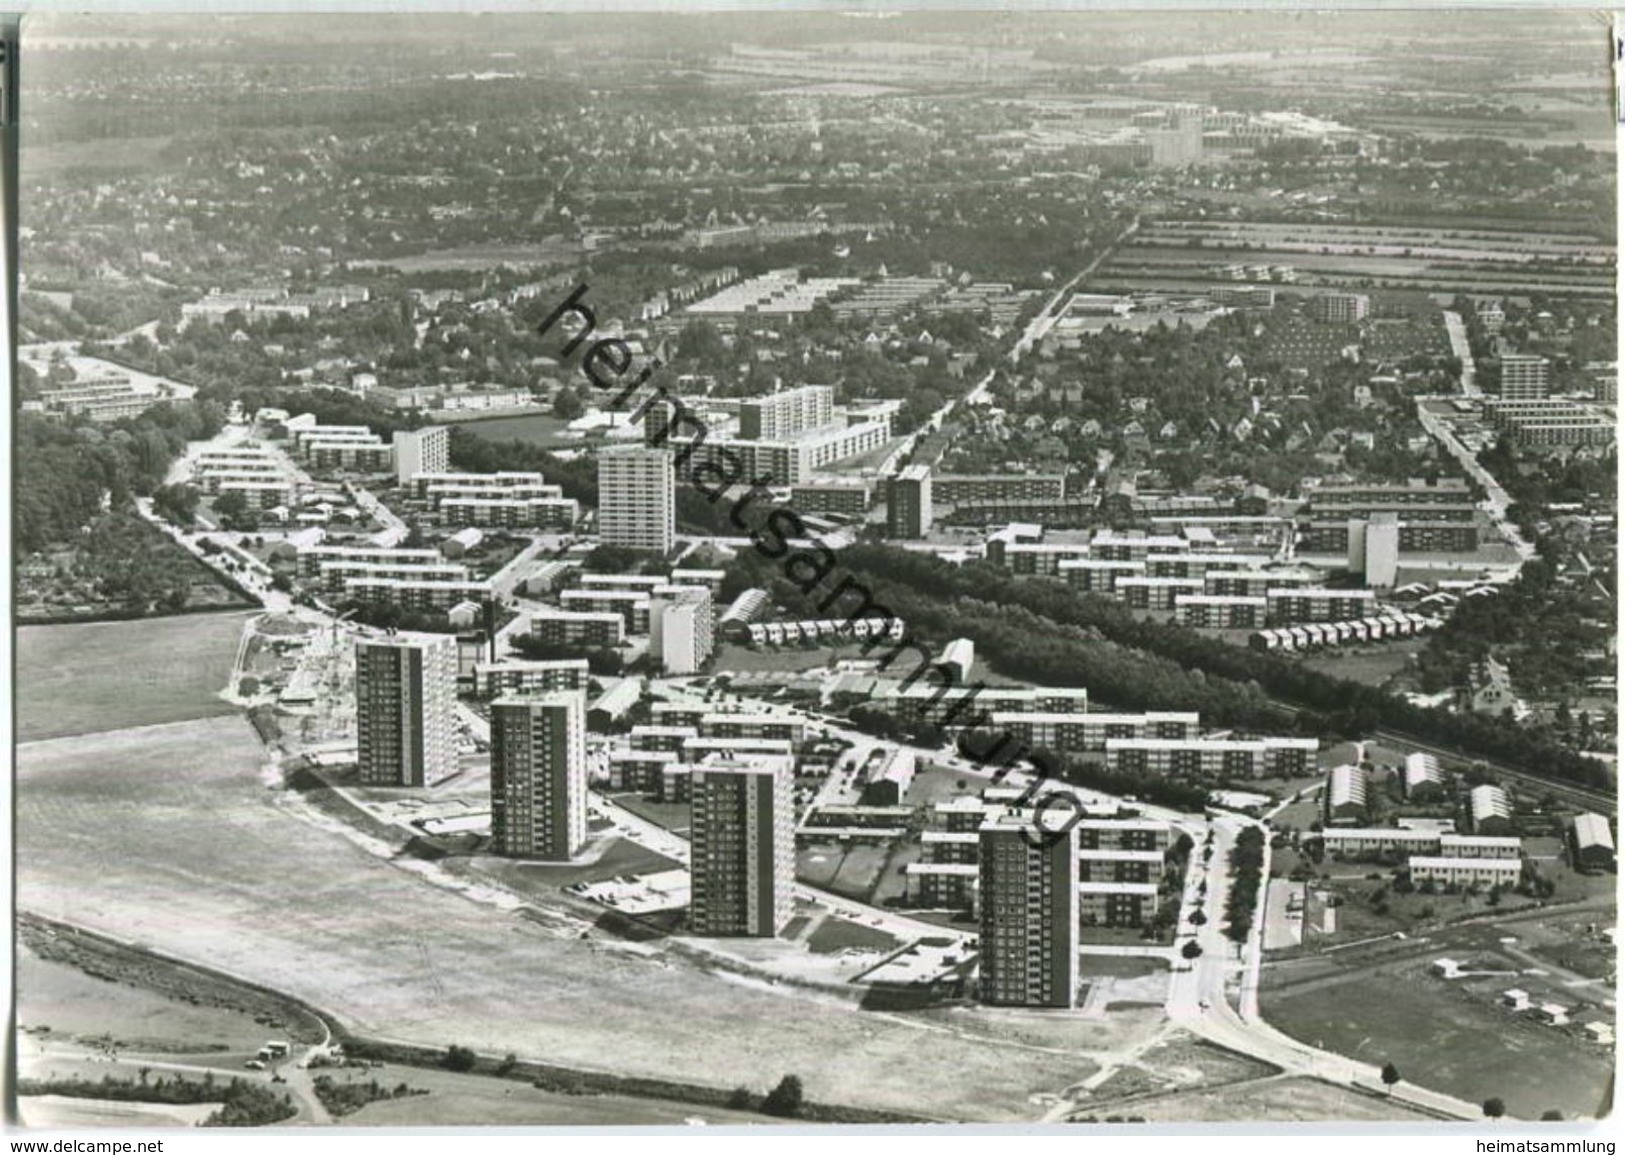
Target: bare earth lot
111	675
209	863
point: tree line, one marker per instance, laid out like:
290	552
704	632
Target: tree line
1041	630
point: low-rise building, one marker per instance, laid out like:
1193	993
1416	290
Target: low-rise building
1591	842
1465	871
592	629
1126	904
1489	811
1346	802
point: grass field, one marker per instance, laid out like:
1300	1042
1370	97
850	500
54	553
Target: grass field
75	1005
80	679
835	935
1435	1034
207	863
1275	1100
532	428
480	1101
622	857
1371	666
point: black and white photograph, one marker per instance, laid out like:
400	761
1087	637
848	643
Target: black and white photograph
814	568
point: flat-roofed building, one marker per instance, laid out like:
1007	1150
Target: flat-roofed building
637	499
942	885
787	414
594	629
993	488
1034	558
406	692
1292	606
1478	846
558	514
1126	904
539	775
512	676
1466	871
952	845
638	769
311	558
418	451
1524	377
698	747
415	593
1109	545
1376	842
1255	583
743	849
714	724
632	605
666	739
1220	612
1213	757
842	498
682	632
1088	733
1124	834
1097	575
1199	565
1155	593
1028	895
1119	865
909	503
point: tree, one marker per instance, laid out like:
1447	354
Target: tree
785	1099
231	504
1191	950
1494	1108
567	406
1390	1076
1552	1116
458	1058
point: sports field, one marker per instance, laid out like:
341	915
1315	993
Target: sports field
79	679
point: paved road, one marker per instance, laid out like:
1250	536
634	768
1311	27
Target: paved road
1199	1000
1497	498
1456	328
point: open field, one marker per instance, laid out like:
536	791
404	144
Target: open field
553	251
1433	1032
478	1100
60	1111
208	863
79	679
1189	254
1368	665
45	159
540	429
98	1011
620	856
1278	1100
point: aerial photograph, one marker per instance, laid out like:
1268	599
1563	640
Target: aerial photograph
852	566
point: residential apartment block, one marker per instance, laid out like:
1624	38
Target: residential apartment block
406	690
539	775
742	820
